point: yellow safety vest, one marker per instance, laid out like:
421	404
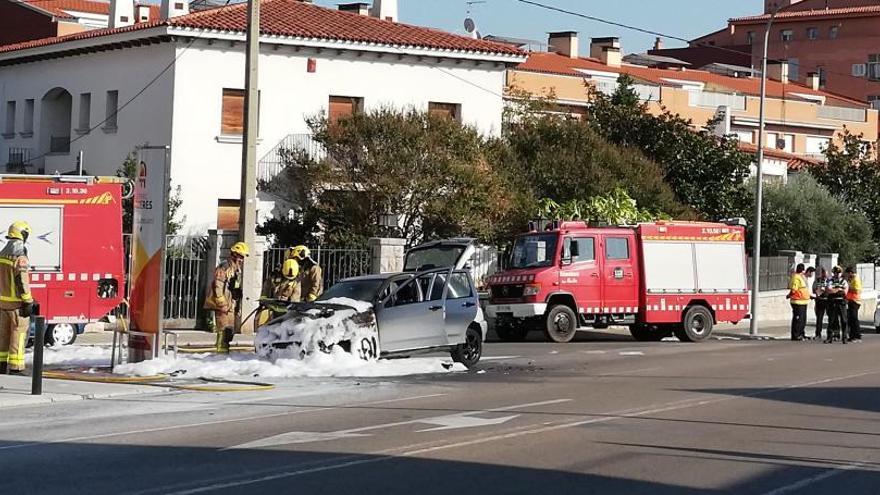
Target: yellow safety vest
854	293
798	289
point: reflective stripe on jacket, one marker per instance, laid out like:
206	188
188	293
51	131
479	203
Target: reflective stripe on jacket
797	287
14	284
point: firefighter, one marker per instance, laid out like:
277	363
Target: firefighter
799	296
836	305
16	302
853	303
289	289
222	295
311	275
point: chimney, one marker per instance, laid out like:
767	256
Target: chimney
360	8
813	80
658	43
173	8
143	13
121	13
564	43
606	50
384	9
778	70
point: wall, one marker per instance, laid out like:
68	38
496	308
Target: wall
207	165
147	119
773	306
18	23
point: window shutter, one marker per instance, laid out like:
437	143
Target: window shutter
232	122
449	110
340	108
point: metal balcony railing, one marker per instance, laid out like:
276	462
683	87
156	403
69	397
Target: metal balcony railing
279	157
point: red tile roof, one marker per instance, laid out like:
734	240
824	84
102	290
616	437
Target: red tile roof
60	8
552	63
795	162
299	19
870	10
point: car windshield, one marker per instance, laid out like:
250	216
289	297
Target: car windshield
433	257
359	290
530	251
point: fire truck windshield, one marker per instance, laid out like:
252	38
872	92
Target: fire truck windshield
532	251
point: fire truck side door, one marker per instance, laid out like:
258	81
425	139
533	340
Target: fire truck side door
581	274
619	285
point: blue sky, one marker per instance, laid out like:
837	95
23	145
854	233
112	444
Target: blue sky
684	18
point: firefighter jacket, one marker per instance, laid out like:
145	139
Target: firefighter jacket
15	289
288	290
220	289
798	292
854	291
312	282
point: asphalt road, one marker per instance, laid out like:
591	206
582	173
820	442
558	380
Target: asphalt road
596	416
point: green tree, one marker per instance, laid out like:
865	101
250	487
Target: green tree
128	169
803	215
427	172
614	208
851	172
706	172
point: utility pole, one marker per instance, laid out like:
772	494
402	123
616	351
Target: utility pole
759	183
247	221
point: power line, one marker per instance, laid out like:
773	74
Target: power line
660	34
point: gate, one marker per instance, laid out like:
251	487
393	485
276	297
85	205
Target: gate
336	264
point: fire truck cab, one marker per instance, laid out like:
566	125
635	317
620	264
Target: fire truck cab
660	279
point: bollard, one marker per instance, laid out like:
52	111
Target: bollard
39	342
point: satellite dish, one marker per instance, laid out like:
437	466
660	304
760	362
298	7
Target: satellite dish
469	25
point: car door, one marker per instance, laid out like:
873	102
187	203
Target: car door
619	286
461	303
408	319
581	274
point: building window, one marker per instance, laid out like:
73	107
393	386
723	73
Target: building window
745	136
341	107
817	145
786	35
874	101
450	110
784	142
750	37
112	109
874	67
859	70
823	76
833	31
812	33
232	120
9	129
85	113
28	127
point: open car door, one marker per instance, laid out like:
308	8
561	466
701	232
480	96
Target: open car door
412	316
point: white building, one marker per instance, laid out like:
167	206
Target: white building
179	81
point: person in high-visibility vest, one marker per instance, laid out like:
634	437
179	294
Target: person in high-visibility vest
835	293
799	296
312	277
16	302
853	303
221	296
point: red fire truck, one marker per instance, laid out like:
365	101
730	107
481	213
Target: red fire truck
75	247
660	279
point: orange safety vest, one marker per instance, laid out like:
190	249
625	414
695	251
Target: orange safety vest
854	293
798	292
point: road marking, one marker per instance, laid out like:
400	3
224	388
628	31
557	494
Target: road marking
446	422
815	479
216	422
631	353
402	452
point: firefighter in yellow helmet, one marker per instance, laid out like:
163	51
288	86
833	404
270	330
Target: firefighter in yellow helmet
16	302
222	293
311	275
289	289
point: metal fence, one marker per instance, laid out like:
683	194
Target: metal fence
775	272
485	261
336	263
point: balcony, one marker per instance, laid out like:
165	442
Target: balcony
279	157
19	161
843	113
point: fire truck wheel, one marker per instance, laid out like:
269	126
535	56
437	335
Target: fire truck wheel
61	334
512	333
561	324
696	325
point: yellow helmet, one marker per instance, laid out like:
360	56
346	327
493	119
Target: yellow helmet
19	230
240	249
290	269
299	253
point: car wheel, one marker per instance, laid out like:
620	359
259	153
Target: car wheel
646	333
561	324
696	325
512	333
61	334
471	351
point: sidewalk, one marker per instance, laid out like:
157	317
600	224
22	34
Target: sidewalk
16	391
185	338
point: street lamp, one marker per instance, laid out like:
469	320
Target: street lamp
759	184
